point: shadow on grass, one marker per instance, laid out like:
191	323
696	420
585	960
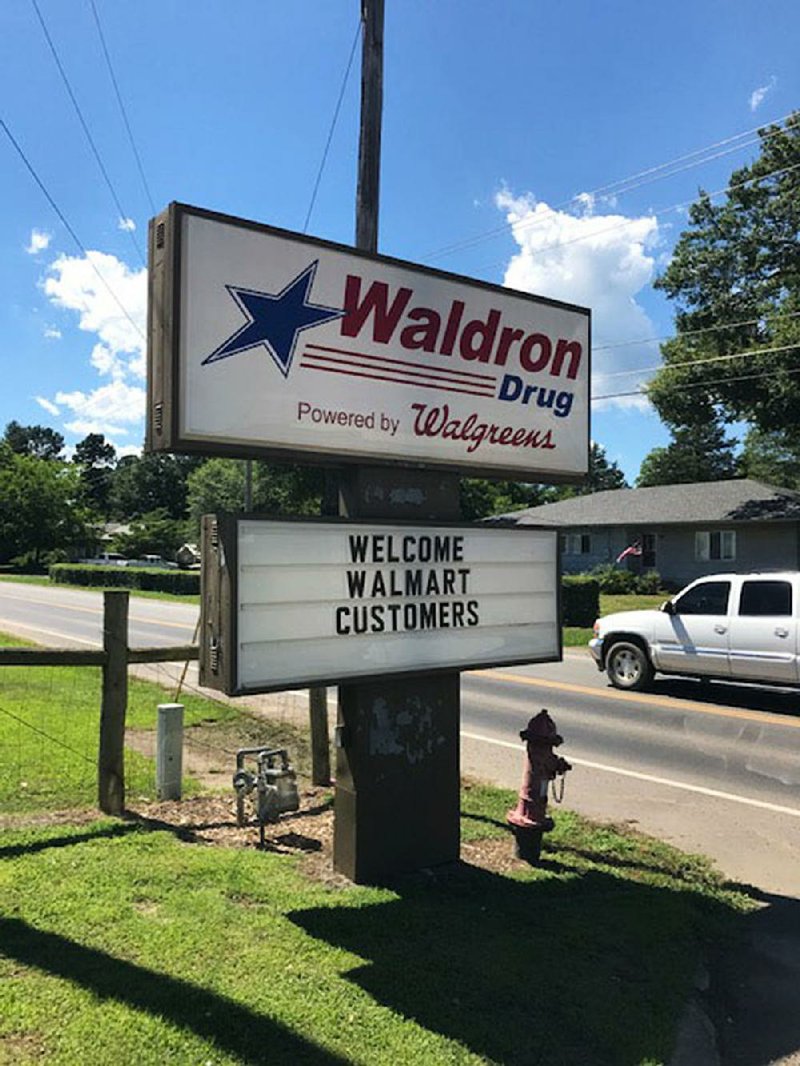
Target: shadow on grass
583	969
235	1029
75	836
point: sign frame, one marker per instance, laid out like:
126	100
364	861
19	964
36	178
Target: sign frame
219	616
163	416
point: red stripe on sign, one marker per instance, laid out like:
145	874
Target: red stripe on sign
403	362
395	381
487	389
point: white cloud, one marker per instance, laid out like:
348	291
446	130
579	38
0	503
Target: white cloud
601	261
108	409
52	333
127	225
48	405
39	241
757	96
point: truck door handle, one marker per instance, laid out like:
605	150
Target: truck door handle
720	629
781	632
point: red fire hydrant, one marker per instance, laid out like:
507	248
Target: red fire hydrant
529	819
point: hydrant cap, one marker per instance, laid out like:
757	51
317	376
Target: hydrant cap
542	728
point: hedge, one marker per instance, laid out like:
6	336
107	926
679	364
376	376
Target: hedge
580	600
182	582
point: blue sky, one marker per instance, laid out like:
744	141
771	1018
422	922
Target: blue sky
501	122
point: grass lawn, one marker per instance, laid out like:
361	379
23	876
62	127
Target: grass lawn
49	725
123	944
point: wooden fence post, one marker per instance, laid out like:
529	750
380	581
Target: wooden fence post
111	754
320	743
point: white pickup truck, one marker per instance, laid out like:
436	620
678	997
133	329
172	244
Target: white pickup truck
735	627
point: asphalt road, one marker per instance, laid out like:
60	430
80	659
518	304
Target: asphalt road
712	768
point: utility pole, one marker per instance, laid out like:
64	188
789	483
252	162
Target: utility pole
397	775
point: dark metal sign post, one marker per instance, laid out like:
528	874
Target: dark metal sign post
397	804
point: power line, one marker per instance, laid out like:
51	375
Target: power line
696	385
694	332
332	127
122	107
702	362
662	211
621	186
65	223
123	216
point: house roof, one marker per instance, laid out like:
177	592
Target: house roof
740	500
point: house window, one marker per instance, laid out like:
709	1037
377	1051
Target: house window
577	544
720	544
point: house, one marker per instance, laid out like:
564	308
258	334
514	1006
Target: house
682	531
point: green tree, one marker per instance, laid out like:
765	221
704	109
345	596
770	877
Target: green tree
40	507
218	485
771	457
96	457
39	441
481	498
735	280
155	533
150	482
695	453
604	474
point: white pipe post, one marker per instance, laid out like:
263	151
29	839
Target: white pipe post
169	751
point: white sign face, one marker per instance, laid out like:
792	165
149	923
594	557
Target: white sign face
287	343
332	601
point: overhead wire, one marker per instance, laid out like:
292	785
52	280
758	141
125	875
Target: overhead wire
68	227
622	185
698	384
332	126
662	211
122	109
695	332
703	362
123	216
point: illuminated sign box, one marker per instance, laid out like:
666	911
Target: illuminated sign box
289	604
266	343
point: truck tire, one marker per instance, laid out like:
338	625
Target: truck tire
628	666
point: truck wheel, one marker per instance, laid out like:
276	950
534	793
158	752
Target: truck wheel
628	667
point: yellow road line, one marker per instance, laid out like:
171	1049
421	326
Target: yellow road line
670	703
49	632
98	611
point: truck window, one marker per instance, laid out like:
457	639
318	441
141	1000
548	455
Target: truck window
710	597
761	598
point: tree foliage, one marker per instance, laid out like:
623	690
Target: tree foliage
218	485
39	441
40	507
771	457
604	474
96	457
735	278
155	533
695	453
151	482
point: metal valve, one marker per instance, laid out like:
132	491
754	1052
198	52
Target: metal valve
275	780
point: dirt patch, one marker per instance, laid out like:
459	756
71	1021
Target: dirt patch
307	833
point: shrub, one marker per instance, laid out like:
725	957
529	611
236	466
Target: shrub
580	600
181	582
612	579
649	583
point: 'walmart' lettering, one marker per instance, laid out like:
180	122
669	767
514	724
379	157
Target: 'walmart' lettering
477	340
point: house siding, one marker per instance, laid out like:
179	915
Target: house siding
762	546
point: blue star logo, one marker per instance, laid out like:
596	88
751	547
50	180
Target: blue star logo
274	321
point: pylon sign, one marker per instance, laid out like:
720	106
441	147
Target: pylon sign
287	604
266	343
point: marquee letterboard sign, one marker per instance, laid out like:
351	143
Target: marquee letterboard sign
288	604
267	343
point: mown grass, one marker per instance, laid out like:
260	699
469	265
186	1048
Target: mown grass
577	636
126	945
49	729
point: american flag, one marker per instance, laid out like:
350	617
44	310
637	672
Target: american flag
632	549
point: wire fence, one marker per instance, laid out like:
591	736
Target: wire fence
50	728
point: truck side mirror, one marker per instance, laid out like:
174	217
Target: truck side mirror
668	607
